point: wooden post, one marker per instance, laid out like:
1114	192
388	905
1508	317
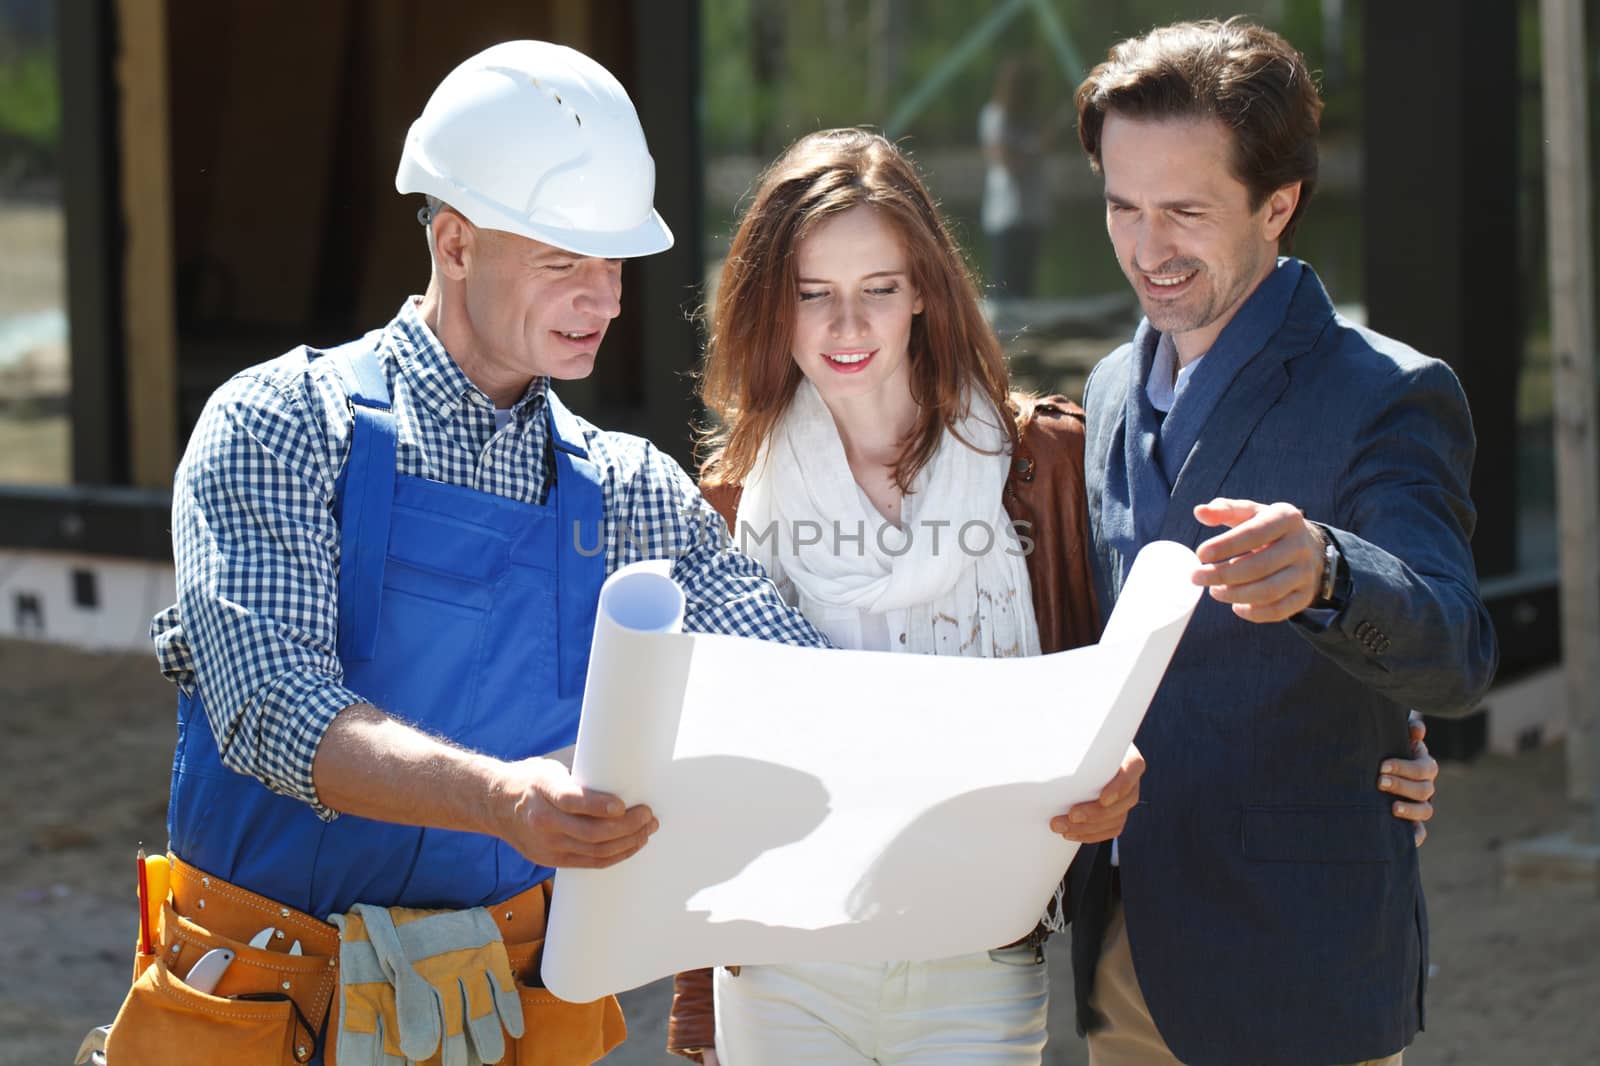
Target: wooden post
150	308
1572	337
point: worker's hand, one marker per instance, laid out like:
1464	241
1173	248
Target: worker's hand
1412	780
1103	818
553	821
1268	564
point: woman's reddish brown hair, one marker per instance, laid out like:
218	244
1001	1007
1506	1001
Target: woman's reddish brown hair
749	375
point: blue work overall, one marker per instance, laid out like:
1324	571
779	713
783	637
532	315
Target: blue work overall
466	614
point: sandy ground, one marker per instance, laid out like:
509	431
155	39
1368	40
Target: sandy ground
87	742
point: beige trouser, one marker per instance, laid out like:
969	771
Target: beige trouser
1130	1037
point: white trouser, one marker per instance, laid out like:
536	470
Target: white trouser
987	1009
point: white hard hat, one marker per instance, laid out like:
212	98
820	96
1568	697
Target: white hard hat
538	140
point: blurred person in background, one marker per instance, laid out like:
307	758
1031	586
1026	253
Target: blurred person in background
1015	132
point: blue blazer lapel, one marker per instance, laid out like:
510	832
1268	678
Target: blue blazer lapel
1134	492
1109	524
1253	391
1140	421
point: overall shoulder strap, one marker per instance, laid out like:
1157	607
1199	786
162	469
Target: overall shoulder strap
364	496
357	363
580	571
566	432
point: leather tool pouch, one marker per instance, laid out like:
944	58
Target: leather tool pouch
555	1032
266	1010
270	1007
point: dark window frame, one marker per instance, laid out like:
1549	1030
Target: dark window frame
96	514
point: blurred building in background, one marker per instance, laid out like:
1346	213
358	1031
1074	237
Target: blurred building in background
189	187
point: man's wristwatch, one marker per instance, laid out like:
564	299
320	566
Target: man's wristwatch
1330	590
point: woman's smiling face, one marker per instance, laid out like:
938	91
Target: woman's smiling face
854	304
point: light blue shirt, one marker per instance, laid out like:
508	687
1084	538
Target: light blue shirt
1167	379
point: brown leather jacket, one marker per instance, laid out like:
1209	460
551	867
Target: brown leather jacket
1045	490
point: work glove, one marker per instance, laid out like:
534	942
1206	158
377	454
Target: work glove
450	983
368	1028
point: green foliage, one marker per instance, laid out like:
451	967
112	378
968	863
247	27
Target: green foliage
30	100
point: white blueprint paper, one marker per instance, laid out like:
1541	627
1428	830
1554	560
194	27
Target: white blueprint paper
838	805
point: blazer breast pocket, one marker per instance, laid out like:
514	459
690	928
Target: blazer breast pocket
1318	834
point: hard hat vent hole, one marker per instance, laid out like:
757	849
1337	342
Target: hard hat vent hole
577	118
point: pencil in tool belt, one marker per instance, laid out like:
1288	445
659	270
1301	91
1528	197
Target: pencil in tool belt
157	883
144	908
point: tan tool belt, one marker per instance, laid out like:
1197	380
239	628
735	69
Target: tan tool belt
270	1007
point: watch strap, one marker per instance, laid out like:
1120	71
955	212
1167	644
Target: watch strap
1332	561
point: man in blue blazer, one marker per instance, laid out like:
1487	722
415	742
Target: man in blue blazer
1262	908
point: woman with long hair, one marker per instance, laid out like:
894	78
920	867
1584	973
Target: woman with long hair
857	386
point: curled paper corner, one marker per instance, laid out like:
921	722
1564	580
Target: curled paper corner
1159	589
643	597
1169	555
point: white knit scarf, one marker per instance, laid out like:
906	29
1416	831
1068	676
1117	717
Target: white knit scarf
954	564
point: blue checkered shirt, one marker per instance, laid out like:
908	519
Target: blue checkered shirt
257	548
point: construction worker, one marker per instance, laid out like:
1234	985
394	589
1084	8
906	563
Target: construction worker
388	567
